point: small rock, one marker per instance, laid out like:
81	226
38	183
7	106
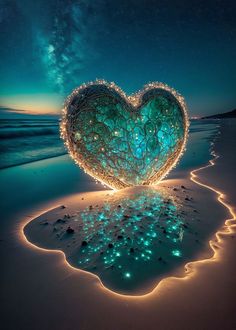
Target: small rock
84	243
60	221
45	223
110	245
70	230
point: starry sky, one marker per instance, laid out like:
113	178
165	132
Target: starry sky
49	47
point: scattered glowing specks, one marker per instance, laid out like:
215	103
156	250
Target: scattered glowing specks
124	147
176	253
127	275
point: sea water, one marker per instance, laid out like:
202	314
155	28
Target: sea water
27	140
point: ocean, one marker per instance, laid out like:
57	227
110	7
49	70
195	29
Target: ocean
29	140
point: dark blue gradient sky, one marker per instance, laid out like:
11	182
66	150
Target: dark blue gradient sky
50	47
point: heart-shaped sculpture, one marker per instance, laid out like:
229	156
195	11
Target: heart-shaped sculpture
125	140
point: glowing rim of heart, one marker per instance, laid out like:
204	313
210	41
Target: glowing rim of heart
134	100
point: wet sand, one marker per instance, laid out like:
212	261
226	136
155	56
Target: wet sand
40	292
133	238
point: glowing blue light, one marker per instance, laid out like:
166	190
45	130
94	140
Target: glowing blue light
176	253
127	275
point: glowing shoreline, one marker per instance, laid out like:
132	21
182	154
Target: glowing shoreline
189	267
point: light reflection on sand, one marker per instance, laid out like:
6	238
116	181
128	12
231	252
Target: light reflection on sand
191	268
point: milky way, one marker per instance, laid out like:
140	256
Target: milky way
53	46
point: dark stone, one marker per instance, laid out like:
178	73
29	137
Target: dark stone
131	250
110	245
70	230
60	221
63	207
183	187
44	223
84	243
120	237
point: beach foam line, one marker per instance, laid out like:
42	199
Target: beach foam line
190	268
37	159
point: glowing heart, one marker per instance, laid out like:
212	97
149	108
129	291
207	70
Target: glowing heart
125	140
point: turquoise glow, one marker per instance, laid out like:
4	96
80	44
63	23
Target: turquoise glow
129	233
117	141
176	253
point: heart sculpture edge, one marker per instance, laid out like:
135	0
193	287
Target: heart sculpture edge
84	118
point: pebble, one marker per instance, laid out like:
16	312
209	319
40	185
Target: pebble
60	221
44	223
70	230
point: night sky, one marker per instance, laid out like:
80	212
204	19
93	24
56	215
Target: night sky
50	47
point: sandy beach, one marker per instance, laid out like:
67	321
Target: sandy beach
67	298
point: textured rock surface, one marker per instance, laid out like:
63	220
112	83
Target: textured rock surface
122	144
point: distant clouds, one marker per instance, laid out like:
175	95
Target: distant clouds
6	113
7	110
